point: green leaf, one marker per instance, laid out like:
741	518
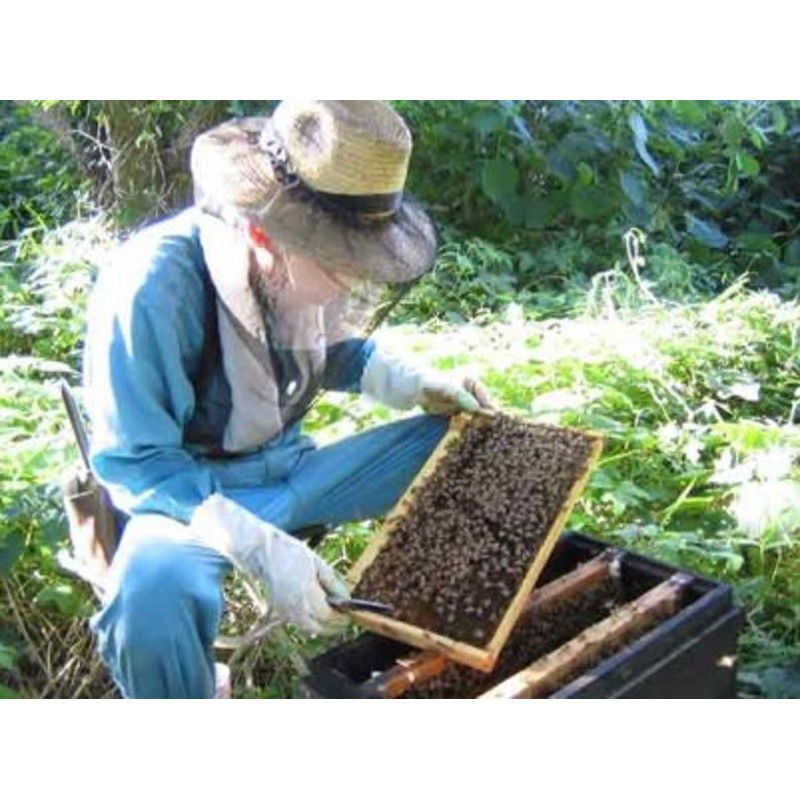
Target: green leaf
65	598
733	131
538	213
779	120
758	139
514	208
561	167
640	141
585	174
53	532
499	179
578	146
7	694
747	164
633	187
488	122
747	436
693	111
590	202
8	657
755	242
706	232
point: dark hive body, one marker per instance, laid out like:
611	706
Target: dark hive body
454	561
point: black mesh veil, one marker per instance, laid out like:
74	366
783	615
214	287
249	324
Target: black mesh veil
281	327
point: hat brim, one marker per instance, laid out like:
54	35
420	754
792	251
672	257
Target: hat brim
393	251
231	172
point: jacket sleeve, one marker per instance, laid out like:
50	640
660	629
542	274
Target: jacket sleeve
344	364
144	340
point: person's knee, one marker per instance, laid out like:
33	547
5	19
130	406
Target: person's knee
162	592
163	606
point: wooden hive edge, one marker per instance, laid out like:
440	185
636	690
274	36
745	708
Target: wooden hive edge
425	665
460	652
517	605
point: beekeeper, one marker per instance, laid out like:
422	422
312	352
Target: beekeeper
209	336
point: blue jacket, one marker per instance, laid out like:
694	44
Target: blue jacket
156	392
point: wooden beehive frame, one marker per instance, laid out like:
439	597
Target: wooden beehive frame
420	668
624	624
481	658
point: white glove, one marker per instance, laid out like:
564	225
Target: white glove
297	579
402	385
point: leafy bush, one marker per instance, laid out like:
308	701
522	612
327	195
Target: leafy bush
548	186
713	181
42	611
38	179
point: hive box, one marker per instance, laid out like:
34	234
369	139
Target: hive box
690	654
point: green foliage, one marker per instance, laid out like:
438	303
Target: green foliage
44	281
469	278
35	451
43	290
136	153
711	180
38	180
528	179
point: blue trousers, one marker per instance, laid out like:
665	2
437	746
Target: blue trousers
164	600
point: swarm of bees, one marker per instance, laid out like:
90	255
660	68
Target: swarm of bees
458	555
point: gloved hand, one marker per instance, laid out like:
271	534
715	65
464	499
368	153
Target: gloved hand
297	580
402	385
441	395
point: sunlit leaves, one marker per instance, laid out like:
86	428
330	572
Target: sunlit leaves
747	164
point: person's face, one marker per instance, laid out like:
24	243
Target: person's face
309	282
291	279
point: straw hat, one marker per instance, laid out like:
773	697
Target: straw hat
323	178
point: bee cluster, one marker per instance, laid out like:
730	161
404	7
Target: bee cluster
533	637
456	558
